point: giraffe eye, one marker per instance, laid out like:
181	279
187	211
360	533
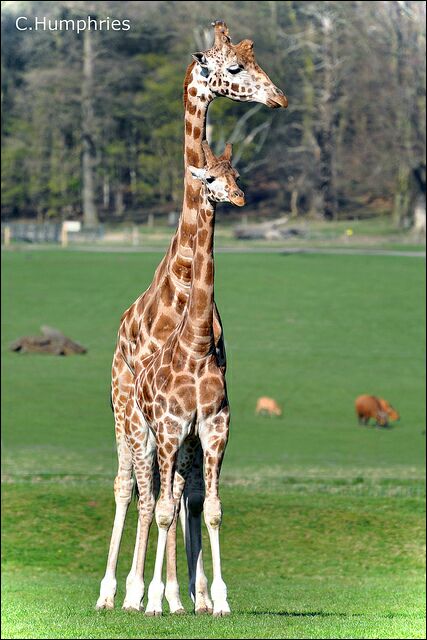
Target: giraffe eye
210	180
235	68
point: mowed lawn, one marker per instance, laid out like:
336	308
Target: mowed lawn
323	533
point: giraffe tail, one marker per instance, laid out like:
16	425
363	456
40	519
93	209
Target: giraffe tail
135	492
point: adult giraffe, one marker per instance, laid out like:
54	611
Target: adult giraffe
181	393
224	70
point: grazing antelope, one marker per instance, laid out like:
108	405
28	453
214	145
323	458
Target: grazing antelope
380	410
268	406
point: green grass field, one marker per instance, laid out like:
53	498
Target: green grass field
323	533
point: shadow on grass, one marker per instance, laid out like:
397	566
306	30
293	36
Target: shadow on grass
324	614
381	427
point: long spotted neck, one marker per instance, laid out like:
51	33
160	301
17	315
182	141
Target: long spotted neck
197	97
197	334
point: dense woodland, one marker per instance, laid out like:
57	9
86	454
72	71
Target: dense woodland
92	123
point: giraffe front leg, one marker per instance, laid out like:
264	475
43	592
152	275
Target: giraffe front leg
164	516
214	437
167	449
194	499
172	586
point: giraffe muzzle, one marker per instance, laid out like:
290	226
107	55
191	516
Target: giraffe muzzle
277	101
238	198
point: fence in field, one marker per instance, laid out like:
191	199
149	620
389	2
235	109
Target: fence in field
49	233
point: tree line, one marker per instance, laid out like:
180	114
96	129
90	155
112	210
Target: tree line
92	122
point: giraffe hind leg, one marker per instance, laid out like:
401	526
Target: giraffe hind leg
142	457
123	484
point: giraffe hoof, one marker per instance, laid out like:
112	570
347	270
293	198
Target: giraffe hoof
221	614
202	611
222	611
153	613
178	612
131	607
105	604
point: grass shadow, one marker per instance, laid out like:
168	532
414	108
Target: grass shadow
304	614
323	614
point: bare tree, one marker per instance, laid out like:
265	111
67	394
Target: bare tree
90	217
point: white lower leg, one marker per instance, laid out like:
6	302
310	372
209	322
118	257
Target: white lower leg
132	571
109	582
134	582
172	586
218	587
202	601
157	588
213	511
173	597
198	581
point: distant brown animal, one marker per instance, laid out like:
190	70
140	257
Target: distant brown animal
377	408
51	341
268	406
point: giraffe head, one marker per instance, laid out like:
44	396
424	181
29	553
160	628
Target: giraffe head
219	177
231	70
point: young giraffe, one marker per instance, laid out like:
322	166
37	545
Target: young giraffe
180	393
228	70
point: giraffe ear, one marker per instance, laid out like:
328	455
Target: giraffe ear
245	50
227	152
197	173
209	155
200	58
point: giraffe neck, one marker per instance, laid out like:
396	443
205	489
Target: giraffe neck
197	331
197	97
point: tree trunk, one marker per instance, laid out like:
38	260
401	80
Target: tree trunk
294	203
119	205
402	197
90	216
327	174
326	128
106	193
